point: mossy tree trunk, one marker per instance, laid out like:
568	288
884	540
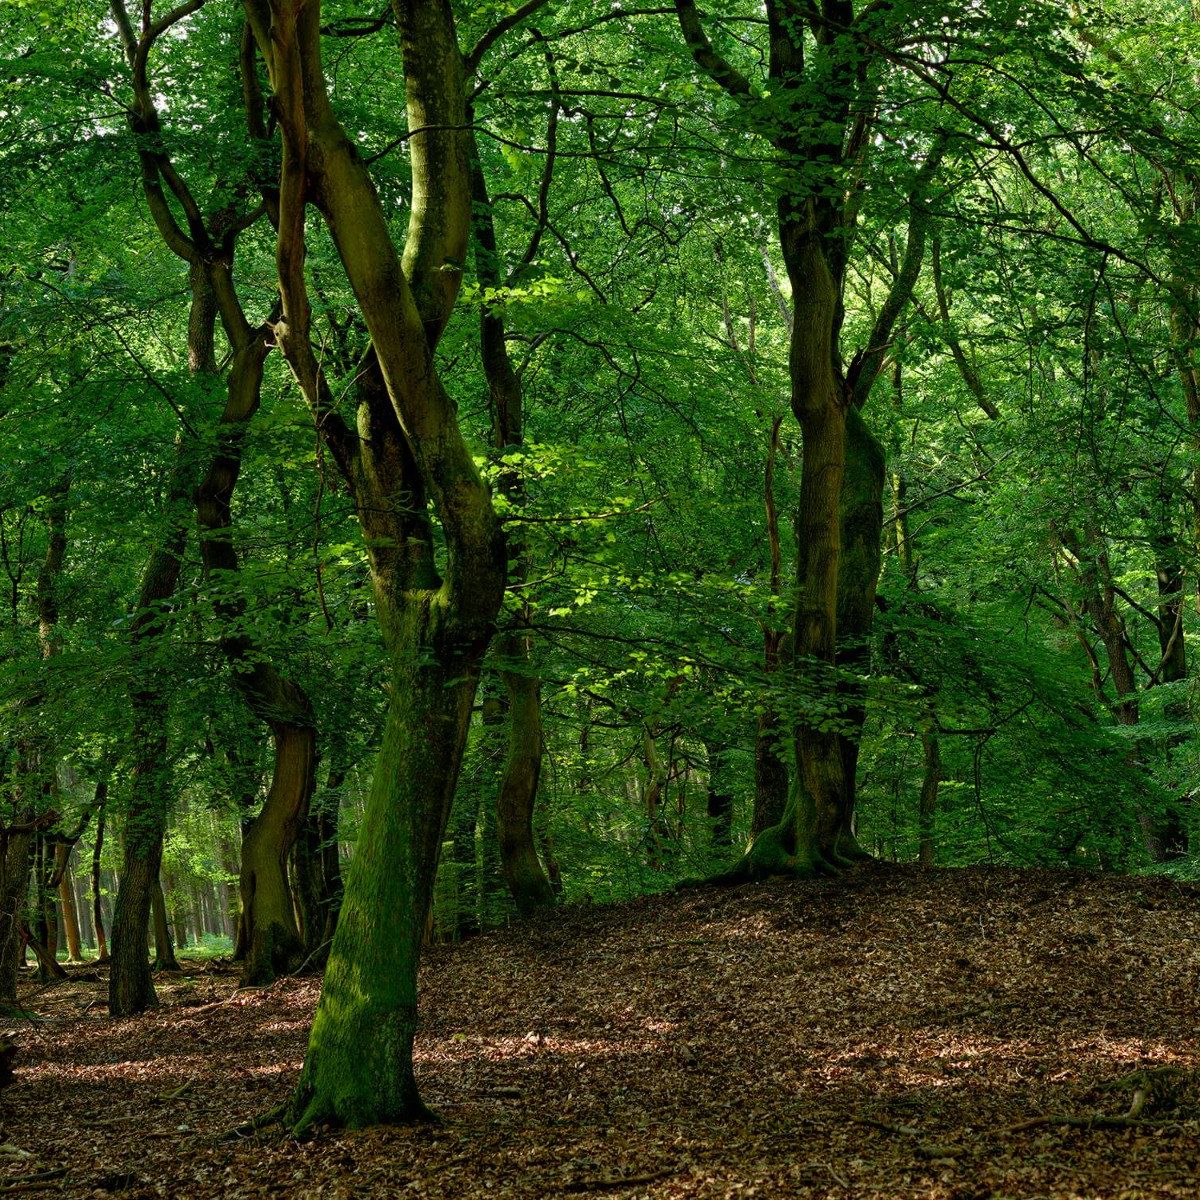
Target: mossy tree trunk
406	453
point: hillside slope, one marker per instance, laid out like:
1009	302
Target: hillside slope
876	1037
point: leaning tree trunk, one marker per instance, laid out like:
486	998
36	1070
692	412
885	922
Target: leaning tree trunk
358	1070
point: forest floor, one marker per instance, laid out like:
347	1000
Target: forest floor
894	1034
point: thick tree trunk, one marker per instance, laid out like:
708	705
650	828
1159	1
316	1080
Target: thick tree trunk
14	888
359	1065
359	1068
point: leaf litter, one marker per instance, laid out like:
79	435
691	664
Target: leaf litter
973	1034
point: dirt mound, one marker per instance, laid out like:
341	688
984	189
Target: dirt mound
949	1034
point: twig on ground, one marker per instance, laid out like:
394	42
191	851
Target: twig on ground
33	1183
602	1185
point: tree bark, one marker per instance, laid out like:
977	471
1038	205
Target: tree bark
66	900
720	800
435	624
517	795
164	950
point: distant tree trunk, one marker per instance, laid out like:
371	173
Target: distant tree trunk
316	873
720	800
83	912
1169	838
653	795
489	880
164	951
771	780
929	797
519	860
517	794
464	862
97	882
861	533
66	899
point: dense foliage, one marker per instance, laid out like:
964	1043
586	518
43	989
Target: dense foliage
1002	199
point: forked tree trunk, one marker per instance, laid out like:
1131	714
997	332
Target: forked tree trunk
359	1069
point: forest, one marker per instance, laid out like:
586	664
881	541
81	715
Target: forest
600	598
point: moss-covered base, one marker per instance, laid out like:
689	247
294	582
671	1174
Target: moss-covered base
792	849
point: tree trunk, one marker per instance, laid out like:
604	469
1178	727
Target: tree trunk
517	795
66	898
359	1068
97	883
130	986
861	533
164	951
316	874
14	888
359	1065
519	859
720	801
930	783
268	929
